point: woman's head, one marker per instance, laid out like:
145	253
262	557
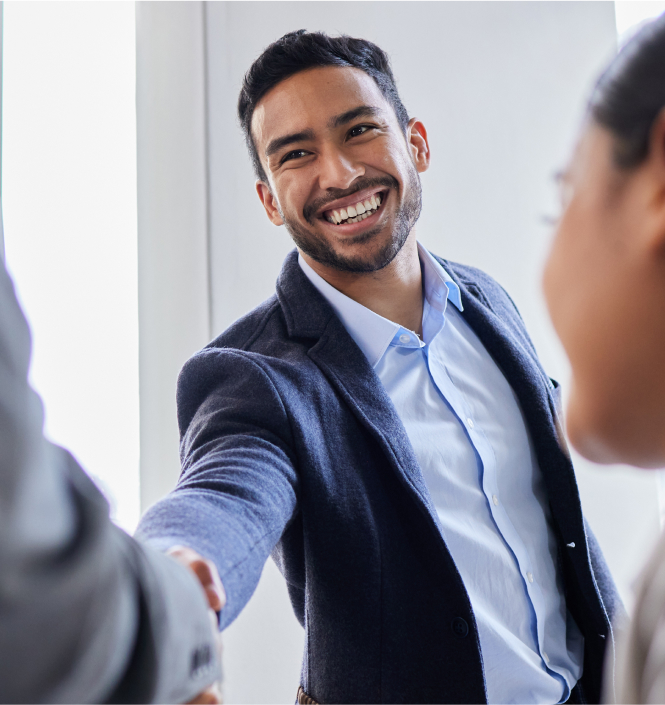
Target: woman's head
605	277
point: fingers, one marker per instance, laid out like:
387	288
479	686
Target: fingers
207	574
205	571
210	696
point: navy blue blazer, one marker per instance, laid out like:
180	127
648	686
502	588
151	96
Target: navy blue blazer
291	445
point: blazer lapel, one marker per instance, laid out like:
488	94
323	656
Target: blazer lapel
308	315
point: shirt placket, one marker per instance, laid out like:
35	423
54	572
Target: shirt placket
508	532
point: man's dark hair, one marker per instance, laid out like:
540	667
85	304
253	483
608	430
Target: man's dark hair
301	50
630	94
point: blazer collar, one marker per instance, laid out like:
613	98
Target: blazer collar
306	312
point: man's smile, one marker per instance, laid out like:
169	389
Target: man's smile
354	213
357	207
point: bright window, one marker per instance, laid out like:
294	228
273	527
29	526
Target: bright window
630	14
69	199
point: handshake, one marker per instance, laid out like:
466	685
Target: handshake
207	574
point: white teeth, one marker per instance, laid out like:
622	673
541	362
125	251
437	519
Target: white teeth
354	214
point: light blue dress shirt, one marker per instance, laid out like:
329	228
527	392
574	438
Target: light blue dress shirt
478	462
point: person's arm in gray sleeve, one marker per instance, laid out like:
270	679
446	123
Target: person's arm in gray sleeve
87	614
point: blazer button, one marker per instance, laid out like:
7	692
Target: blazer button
460	627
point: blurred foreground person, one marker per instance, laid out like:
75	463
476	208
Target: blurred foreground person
86	613
605	285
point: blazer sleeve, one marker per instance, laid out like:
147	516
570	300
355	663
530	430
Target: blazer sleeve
238	489
86	613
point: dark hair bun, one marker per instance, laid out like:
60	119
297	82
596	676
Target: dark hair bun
630	94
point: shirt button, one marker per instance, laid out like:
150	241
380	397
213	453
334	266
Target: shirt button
546	657
529	577
470	423
495	499
460	627
404	338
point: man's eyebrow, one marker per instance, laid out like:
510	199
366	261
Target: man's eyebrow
281	142
360	111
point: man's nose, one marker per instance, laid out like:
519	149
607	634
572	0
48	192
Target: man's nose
338	170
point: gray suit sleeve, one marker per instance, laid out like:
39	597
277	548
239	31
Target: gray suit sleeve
87	614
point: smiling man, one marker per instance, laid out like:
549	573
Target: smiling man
382	425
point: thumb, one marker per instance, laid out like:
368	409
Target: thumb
206	573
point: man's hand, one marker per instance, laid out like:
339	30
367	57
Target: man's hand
208	576
205	571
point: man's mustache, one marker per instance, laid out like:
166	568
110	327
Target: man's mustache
335	194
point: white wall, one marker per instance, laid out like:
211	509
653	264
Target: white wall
174	313
501	87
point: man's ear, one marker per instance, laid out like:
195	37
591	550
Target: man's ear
416	137
269	203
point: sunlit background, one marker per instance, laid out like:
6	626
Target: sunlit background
69	201
630	14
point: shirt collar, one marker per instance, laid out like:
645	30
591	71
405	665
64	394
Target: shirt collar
436	277
371	332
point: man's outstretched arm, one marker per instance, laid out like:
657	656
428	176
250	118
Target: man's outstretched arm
239	486
87	614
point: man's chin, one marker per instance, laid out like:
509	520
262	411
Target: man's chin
357	254
346	261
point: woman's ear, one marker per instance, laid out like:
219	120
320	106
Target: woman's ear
656	169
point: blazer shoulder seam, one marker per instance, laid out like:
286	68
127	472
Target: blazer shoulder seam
264	370
261	326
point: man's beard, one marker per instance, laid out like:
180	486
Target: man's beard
317	247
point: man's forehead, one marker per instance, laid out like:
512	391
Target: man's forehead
309	99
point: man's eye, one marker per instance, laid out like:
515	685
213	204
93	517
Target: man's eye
296	154
359	130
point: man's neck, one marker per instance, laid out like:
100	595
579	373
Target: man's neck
394	292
